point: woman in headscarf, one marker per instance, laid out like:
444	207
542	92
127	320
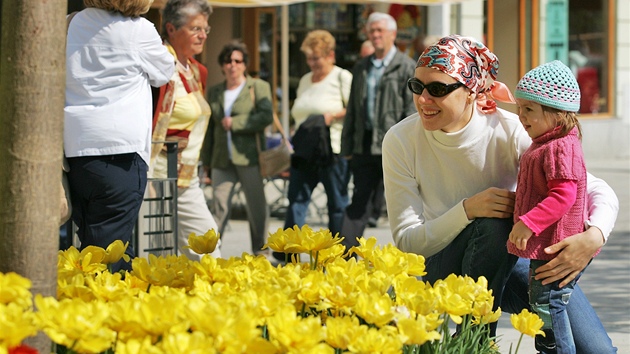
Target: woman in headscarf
450	175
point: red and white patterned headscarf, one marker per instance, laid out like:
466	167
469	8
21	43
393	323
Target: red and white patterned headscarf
468	61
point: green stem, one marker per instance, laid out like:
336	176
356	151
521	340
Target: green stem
518	344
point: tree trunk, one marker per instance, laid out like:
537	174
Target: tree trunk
32	90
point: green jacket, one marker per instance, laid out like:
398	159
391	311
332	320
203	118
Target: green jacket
247	122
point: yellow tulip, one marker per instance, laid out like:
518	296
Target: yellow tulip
376	341
203	244
375	308
14	288
341	331
78	325
527	323
138	346
416	331
16	324
293	333
115	251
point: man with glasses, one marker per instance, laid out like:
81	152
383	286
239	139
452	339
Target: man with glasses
379	98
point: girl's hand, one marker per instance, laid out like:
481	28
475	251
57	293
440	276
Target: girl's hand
520	234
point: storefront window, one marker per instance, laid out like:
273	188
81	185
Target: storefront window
578	33
589	52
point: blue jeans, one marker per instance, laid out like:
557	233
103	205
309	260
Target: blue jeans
588	332
301	185
550	302
480	249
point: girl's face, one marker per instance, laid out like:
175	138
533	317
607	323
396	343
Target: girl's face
535	121
449	113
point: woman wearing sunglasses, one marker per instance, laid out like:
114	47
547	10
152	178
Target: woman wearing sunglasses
241	109
450	175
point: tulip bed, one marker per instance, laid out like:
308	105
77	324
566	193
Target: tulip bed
245	305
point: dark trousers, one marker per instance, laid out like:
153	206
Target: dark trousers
301	185
367	171
107	193
480	249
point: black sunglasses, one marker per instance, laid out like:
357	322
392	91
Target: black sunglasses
435	89
230	61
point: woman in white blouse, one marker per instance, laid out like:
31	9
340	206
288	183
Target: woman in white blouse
112	57
322	91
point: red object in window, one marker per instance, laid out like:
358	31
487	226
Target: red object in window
588	79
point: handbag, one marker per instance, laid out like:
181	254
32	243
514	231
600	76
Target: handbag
277	159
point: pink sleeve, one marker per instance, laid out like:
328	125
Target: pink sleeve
561	196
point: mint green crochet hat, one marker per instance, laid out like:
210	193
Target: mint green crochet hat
551	84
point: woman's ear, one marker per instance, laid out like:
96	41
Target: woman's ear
170	28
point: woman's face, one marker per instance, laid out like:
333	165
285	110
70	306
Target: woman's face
319	63
234	69
533	118
189	39
449	113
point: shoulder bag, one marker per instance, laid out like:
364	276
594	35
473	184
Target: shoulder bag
277	159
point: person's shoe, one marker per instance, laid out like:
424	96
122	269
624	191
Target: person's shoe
372	222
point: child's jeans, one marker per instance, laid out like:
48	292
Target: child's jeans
550	302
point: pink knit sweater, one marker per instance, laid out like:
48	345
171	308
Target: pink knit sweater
550	165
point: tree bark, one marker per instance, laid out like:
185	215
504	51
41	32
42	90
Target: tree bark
32	90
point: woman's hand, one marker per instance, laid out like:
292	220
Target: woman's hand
226	122
491	203
573	255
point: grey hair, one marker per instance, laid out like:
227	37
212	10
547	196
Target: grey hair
178	12
390	22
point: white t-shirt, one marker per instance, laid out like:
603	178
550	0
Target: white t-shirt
428	174
110	62
328	95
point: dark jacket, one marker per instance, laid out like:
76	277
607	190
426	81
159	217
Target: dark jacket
311	144
394	102
247	122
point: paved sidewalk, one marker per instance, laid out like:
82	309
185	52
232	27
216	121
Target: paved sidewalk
606	281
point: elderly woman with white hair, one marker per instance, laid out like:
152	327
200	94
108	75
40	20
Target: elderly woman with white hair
182	114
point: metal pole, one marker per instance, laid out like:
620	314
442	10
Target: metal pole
284	58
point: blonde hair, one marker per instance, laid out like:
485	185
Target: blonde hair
129	8
319	42
564	119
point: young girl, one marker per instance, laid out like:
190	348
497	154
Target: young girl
551	192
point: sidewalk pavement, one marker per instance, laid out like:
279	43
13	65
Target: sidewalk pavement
606	282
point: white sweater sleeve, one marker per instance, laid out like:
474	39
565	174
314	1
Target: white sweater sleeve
602	203
411	233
